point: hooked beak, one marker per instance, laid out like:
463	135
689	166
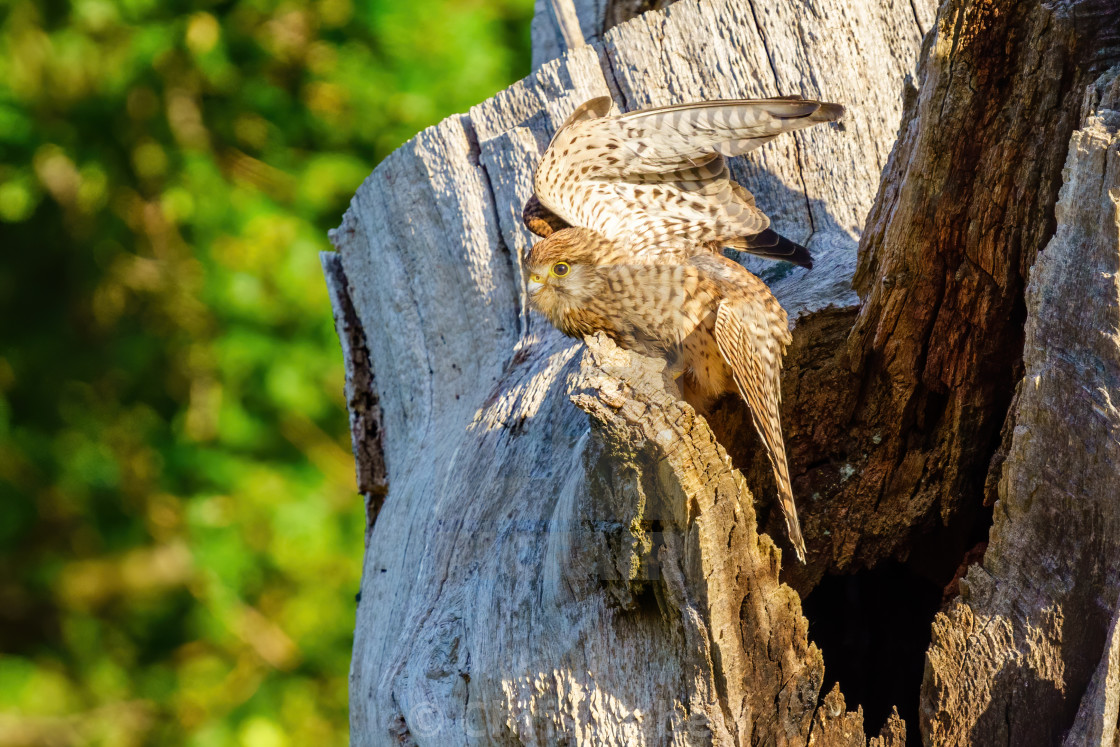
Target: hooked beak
535	283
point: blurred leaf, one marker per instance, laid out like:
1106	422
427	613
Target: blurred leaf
181	540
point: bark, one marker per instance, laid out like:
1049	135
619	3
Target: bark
1032	646
568	554
966	203
361	394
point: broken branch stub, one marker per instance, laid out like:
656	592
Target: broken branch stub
693	529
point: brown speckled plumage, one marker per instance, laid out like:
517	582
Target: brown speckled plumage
656	180
718	326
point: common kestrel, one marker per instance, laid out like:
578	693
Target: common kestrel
655	181
717	325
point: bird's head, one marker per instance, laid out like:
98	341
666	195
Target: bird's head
562	270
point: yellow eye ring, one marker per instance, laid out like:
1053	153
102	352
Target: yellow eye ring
559	270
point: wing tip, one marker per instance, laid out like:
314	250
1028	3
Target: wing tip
815	111
798	547
772	245
793	530
828	112
801	257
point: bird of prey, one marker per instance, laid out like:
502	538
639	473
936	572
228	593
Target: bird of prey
656	181
717	325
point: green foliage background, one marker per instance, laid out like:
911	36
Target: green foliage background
180	538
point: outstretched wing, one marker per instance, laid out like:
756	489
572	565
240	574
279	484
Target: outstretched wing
657	178
669	138
752	336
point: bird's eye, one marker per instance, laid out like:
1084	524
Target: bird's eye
560	269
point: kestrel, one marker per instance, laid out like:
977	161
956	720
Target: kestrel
717	325
656	181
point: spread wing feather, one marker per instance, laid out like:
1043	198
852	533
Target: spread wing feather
683	133
774	246
656	180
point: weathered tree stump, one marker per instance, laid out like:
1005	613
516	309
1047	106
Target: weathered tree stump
568	554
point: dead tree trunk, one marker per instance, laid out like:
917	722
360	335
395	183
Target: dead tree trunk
1030	653
567	554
